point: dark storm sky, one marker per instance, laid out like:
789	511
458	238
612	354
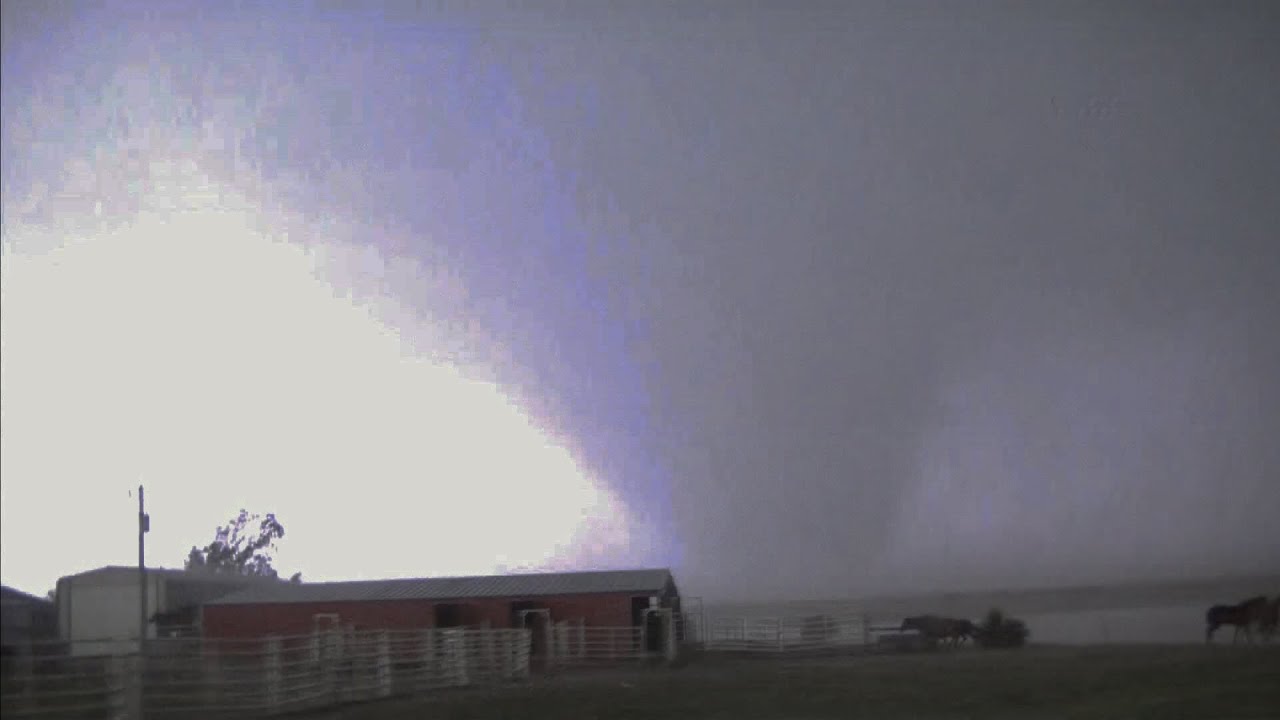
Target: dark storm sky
849	296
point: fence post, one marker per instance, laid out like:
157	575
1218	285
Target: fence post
328	667
549	642
562	639
351	666
489	653
25	671
522	646
455	656
366	681
552	654
508	654
330	656
523	641
211	676
383	668
273	672
464	658
124	673
507	650
671	643
429	657
503	659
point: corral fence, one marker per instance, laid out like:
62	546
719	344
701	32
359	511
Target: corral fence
573	644
52	683
843	631
195	678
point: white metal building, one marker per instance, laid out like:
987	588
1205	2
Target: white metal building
98	610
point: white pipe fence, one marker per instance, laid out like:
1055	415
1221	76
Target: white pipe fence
844	630
191	678
574	644
196	678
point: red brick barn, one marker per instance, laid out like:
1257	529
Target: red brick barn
596	599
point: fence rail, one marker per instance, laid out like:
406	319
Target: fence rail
204	678
847	630
574	644
192	677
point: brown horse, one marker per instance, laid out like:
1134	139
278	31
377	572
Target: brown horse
1269	619
963	630
1242	616
940	629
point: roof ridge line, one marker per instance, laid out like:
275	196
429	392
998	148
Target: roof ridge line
544	584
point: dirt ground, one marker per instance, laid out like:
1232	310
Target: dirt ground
1115	683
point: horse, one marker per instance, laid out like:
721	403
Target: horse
1268	619
936	628
964	630
1242	616
921	624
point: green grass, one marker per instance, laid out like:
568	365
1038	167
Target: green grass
1115	683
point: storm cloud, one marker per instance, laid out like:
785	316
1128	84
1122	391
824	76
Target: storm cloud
843	297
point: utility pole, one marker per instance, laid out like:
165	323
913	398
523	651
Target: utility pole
144	525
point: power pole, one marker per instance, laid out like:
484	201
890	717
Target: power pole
144	525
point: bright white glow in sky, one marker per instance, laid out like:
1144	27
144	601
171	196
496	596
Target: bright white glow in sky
202	354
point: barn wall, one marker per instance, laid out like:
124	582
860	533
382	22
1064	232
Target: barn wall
246	621
596	610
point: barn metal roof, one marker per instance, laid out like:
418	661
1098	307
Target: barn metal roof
126	572
456	588
13	596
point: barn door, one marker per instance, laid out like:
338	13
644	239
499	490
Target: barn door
538	621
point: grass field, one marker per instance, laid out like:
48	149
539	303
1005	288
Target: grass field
1111	683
